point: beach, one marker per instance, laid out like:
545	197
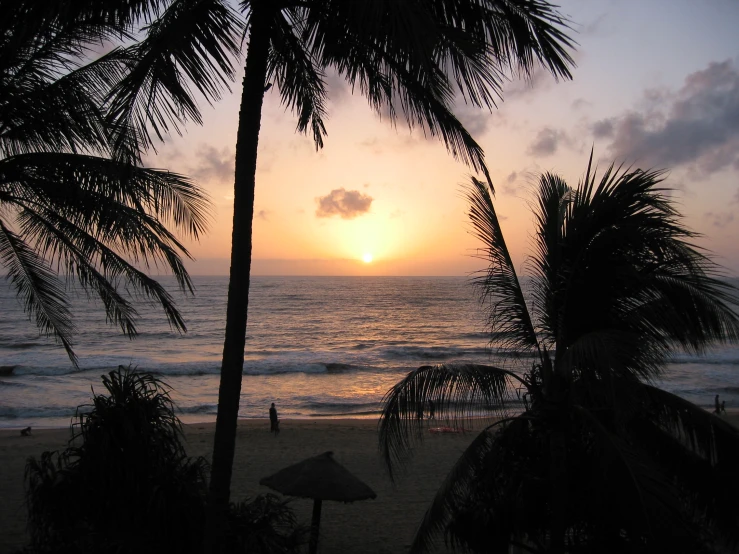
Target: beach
385	525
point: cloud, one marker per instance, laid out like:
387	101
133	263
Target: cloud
475	119
346	203
698	126
720	219
213	164
580	104
603	128
263	214
337	87
546	142
539	81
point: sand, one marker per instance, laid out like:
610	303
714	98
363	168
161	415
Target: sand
382	526
385	525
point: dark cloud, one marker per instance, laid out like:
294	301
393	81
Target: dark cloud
338	89
698	126
213	164
511	177
720	219
546	142
603	128
346	203
263	214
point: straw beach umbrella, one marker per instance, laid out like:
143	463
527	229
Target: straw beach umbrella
320	478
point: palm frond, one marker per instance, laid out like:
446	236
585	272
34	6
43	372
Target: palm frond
509	319
459	393
455	513
193	42
41	292
699	451
293	69
624	264
641	497
552	198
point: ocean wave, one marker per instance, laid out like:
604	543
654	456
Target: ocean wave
432	352
36	412
714	358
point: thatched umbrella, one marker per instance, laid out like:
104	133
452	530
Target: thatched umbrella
320	478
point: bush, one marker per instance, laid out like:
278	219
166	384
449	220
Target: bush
124	483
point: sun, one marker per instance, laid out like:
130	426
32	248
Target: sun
367	258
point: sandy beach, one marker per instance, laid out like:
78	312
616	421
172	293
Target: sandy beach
385	525
382	526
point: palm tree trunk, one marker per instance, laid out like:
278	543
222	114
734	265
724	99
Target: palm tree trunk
229	393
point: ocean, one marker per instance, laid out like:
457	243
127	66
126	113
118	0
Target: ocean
316	347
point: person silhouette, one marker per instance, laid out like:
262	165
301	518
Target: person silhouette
432	409
274	423
716	406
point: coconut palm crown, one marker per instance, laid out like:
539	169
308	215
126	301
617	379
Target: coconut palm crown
74	196
593	457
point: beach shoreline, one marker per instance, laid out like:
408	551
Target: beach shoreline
385	525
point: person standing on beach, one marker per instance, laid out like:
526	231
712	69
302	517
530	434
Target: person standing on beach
717	406
274	423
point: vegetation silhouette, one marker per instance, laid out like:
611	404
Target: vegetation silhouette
595	458
74	196
125	484
407	58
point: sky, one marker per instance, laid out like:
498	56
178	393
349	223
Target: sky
656	86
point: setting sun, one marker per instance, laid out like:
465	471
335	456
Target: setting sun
367	258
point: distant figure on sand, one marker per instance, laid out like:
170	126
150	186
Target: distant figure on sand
723	407
717	406
274	423
432	409
26	432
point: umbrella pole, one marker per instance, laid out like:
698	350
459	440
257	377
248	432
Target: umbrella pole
315	523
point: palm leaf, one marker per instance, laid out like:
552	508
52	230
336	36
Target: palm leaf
191	43
459	393
294	70
458	511
508	316
41	292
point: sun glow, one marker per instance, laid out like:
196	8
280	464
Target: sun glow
367	258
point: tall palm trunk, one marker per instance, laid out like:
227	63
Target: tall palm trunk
229	392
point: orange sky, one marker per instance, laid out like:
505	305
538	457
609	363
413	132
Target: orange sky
657	84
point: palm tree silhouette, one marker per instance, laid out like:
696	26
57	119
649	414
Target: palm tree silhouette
407	58
595	458
74	197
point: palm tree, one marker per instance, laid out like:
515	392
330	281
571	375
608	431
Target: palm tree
595	457
74	197
408	57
